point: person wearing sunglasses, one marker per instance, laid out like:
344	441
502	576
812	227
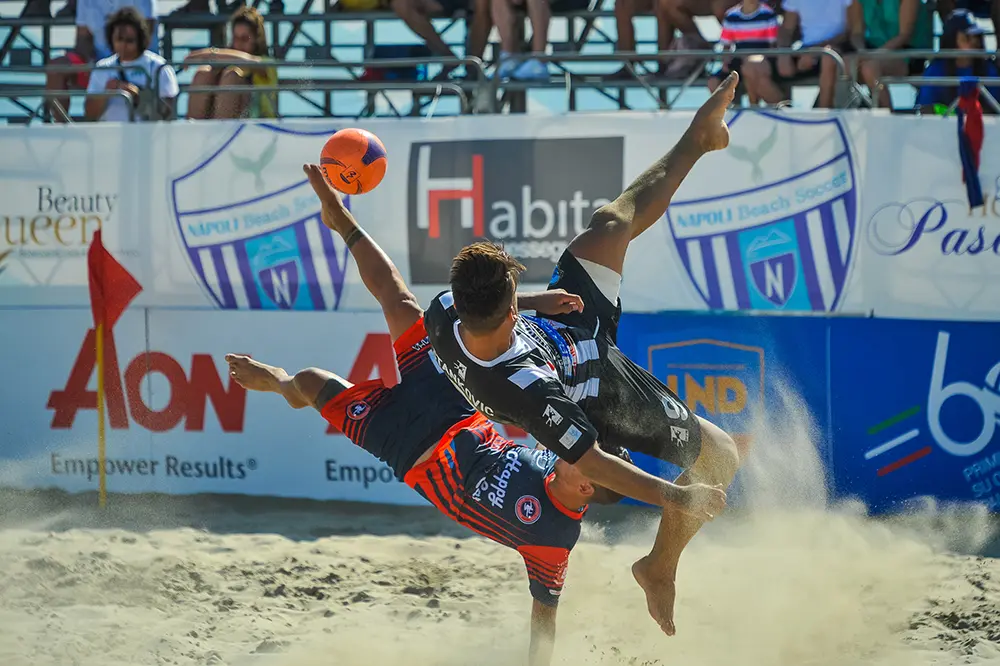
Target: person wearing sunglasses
133	69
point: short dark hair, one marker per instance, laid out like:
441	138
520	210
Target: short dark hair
483	282
128	16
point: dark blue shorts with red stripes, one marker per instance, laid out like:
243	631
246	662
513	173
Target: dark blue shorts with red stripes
400	423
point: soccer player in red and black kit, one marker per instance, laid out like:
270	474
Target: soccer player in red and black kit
563	378
522	498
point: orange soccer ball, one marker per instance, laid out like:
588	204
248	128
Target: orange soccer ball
353	161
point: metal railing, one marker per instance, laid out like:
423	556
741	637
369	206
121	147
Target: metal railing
17	95
646	82
983	83
431	88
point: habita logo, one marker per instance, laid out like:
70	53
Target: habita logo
787	242
253	234
534	196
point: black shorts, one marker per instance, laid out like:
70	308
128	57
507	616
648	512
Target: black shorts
398	424
633	409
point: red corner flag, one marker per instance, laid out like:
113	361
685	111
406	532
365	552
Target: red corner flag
112	287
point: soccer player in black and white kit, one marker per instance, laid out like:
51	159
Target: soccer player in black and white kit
564	380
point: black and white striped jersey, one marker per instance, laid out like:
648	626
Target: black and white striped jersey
542	384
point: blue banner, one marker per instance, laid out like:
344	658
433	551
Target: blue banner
898	409
915	406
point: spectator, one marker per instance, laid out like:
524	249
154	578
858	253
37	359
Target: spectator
132	69
671	15
417	15
248	46
961	32
91	45
752	24
540	12
891	25
982	8
821	23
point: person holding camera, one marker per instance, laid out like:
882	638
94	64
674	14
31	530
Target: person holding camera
134	69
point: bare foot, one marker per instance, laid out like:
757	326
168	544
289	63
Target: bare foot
254	375
660	594
708	128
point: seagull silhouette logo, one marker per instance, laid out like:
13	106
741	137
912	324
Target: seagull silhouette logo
755	156
257	166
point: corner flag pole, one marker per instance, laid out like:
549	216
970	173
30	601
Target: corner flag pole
112	288
102	492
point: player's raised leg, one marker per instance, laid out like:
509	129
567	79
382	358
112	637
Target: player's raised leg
311	387
645	201
656	573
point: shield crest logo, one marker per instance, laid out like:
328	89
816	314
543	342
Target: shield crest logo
251	227
784	237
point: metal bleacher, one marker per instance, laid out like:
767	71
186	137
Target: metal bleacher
323	53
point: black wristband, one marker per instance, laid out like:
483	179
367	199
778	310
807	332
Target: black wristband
356	234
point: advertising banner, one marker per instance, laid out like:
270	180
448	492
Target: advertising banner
176	423
916	408
804	212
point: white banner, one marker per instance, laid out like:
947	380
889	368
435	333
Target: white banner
850	212
176	423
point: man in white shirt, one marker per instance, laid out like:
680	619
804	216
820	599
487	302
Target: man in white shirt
92	44
131	69
818	23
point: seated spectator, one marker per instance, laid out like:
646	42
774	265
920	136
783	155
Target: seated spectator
417	15
132	68
961	32
248	46
891	25
982	8
91	46
752	24
822	23
505	18
671	15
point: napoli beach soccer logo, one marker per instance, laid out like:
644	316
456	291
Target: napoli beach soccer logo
781	234
251	226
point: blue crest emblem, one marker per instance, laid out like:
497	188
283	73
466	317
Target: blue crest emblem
251	224
786	241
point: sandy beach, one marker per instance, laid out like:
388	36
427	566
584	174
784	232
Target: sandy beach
208	580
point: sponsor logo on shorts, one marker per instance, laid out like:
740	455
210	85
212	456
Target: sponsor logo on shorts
787	242
570	437
551	416
678	435
515	191
528	509
495	486
357	410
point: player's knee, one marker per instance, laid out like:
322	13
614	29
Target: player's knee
721	458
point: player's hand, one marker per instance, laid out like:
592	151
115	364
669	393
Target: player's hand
702	501
555	302
335	214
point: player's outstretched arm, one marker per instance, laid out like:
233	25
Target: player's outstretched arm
551	302
543	633
646	199
380	275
